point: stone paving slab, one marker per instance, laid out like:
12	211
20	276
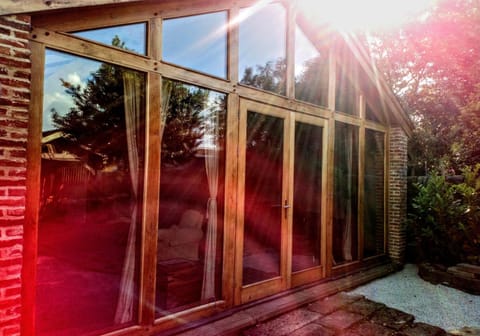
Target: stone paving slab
347	315
364	307
340	320
366	328
333	303
392	318
313	329
421	329
271	309
285	324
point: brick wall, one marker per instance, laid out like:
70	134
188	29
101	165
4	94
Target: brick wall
397	195
14	103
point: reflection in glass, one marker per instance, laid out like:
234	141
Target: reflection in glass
131	37
373	106
311	71
374	204
346	75
192	182
263	197
92	166
307	197
263	47
345	194
197	42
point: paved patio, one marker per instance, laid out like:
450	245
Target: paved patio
345	314
400	304
333	309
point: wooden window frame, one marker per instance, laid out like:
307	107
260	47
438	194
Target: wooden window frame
50	31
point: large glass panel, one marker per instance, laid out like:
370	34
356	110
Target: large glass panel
307	197
132	37
197	42
346	76
374	103
374	204
192	182
311	71
263	47
91	194
263	197
345	194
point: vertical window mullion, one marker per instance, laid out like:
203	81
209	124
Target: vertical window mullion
290	39
150	202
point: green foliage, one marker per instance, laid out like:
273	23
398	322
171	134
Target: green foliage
445	219
183	126
97	119
269	77
433	66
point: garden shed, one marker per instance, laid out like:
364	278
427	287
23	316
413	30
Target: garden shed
166	161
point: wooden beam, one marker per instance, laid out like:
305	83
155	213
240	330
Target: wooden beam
34	152
31	6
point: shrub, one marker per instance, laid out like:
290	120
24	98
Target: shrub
444	219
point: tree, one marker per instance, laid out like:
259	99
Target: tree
433	66
96	122
183	124
269	77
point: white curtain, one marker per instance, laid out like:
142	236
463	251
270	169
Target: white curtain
166	93
348	229
211	167
132	101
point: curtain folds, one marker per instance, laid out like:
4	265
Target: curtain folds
132	102
166	93
212	170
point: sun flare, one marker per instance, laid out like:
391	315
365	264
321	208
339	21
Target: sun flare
369	15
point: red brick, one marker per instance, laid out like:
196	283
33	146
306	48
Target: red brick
10	272
11	252
18	153
21	74
5	51
12	182
7	21
17	173
21	94
21	35
15	83
15	212
14	63
17	135
12	143
13	291
13	43
13	330
10	163
4	31
10	262
21	53
12	201
16	191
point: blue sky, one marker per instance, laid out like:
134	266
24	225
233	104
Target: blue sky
198	42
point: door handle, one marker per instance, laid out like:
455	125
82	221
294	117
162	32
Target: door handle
285	206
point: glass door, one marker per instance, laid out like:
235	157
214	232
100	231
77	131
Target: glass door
263	207
308	153
281	209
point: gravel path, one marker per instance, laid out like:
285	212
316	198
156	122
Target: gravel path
438	305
